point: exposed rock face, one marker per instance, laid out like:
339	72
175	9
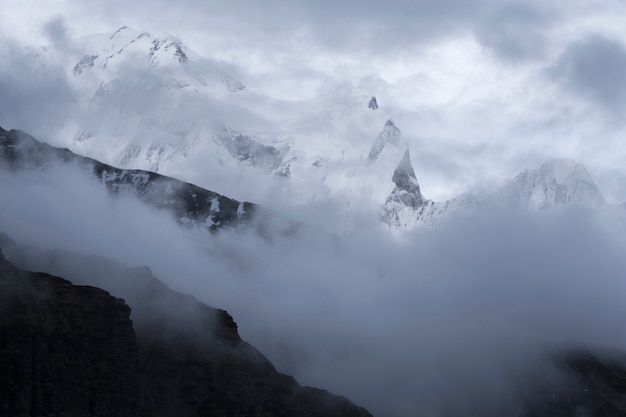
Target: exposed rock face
556	184
70	350
189	203
407	190
64	350
373	104
405	207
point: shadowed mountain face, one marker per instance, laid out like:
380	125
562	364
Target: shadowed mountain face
407	190
73	350
596	387
189	204
64	349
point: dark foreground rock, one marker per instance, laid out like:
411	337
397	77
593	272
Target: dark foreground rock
594	386
68	350
64	350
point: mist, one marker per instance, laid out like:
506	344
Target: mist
455	319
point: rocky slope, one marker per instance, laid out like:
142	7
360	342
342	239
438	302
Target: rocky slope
145	100
557	183
64	350
188	203
596	387
72	350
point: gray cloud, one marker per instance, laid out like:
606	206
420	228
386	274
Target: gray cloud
394	326
362	27
31	98
595	69
516	31
56	30
450	320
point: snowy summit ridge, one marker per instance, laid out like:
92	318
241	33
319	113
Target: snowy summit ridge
149	102
556	183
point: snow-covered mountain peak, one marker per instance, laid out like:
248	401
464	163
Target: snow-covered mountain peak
97	58
407	189
126	41
406	207
149	102
144	100
556	183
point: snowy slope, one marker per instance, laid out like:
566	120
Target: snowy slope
190	205
556	183
147	101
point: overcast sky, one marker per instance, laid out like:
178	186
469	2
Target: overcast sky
482	89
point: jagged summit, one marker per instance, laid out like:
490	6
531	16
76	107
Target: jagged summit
133	348
389	135
406	207
110	53
148	101
407	190
556	183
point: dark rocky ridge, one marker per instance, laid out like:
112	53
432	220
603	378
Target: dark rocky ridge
69	350
595	387
64	350
188	203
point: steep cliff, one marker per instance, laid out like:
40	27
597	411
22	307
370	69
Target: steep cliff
71	350
64	350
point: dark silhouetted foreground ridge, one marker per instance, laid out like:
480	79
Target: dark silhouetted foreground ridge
68	350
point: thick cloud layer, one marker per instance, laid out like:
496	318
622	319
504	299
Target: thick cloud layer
447	320
30	97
